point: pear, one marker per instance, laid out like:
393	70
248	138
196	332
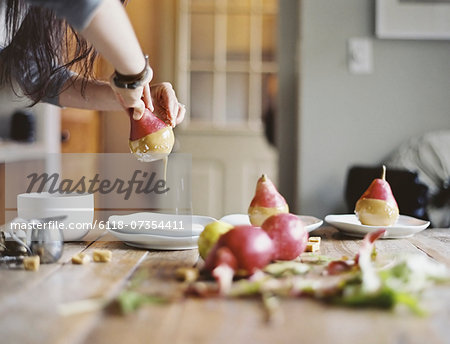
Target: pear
150	138
241	251
377	205
288	234
209	236
266	202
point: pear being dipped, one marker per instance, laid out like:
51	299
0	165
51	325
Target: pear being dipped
377	205
266	202
150	138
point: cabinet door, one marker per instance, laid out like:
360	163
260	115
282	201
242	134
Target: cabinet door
80	131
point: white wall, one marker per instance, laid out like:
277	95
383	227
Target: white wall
348	119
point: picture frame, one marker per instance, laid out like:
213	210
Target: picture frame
412	19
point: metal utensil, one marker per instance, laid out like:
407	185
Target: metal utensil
45	241
11	261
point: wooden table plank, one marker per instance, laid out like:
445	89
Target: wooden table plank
336	245
21	281
37	309
435	243
157	324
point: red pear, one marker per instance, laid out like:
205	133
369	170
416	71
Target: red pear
150	137
244	249
266	202
377	206
288	235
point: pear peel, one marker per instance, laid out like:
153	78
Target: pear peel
377	206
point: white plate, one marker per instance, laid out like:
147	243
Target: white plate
405	227
311	223
170	225
156	242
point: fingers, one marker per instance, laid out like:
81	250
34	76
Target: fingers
167	107
136	99
148	98
160	99
138	111
181	113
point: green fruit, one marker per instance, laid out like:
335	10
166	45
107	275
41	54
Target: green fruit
210	235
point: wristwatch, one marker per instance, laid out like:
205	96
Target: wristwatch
132	81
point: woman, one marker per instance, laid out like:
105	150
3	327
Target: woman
47	57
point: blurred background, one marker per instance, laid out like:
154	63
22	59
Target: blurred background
301	90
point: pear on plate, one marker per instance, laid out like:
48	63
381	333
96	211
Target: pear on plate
377	206
266	202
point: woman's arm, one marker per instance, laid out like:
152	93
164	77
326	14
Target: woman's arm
98	96
112	35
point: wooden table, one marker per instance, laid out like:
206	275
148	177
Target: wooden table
30	303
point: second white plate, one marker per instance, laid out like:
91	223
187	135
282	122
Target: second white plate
405	227
171	225
311	223
156	242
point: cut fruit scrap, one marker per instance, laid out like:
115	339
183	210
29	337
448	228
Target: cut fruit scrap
363	260
266	202
370	279
244	249
150	136
377	205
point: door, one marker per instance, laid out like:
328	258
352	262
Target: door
227	76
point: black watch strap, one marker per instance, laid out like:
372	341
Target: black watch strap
132	81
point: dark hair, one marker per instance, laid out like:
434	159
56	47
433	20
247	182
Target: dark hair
39	51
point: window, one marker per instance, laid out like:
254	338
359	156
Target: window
227	64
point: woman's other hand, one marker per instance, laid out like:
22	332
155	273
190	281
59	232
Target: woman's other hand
166	105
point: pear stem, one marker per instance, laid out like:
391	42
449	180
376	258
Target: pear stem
383	173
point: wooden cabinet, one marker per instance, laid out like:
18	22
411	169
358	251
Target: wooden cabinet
80	131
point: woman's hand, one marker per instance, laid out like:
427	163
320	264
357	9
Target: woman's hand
137	99
166	105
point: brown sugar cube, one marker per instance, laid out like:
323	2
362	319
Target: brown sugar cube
102	256
314	239
81	258
185	274
31	263
312	247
